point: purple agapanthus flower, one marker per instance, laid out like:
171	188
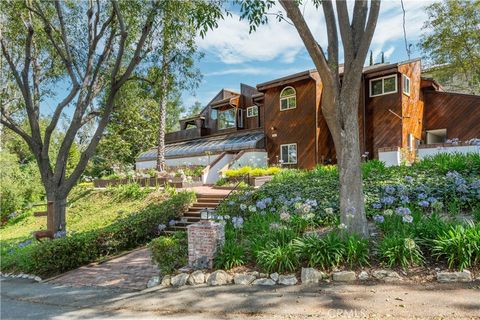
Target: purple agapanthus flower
237	222
261	205
24	243
432	199
388	200
377	205
231	203
408	179
172	223
390	189
378	218
424	203
401	211
421	196
404	199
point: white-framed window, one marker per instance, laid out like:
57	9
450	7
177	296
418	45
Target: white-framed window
288	153
383	85
252	111
288	99
436	136
226	119
406	85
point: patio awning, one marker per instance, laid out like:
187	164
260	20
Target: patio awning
217	144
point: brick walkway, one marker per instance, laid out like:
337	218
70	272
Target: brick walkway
130	271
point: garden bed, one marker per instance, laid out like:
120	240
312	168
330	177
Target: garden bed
176	182
426	218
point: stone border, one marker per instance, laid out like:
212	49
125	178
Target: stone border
21	276
308	276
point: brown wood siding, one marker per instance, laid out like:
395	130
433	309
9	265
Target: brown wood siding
383	128
458	113
412	106
292	126
247	101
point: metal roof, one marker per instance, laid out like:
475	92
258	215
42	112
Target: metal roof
232	142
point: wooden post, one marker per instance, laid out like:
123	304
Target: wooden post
50	216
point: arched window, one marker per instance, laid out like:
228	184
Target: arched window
288	99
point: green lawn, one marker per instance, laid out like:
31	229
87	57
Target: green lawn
88	209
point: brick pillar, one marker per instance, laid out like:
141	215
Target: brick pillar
204	238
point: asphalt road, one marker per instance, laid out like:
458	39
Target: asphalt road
24	299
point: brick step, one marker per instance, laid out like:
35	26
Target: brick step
204	205
208	200
211	196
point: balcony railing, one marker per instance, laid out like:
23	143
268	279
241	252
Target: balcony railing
187	134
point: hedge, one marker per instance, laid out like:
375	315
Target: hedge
60	255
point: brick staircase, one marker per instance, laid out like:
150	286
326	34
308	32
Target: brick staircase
193	213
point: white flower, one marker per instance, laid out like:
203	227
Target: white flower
329	211
243	206
342	226
284	216
252	208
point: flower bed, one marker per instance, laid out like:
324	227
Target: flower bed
421	214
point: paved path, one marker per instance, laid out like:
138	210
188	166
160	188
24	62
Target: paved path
130	271
23	299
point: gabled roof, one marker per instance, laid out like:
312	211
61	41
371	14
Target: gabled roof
308	74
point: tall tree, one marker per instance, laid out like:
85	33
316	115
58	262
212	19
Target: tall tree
341	93
195	109
180	22
89	49
452	41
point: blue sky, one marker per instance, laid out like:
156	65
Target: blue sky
233	56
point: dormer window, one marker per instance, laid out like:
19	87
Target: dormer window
383	85
288	99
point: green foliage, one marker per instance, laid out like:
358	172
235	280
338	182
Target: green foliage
357	251
60	255
324	252
129	191
278	258
231	255
452	41
395	250
460	245
170	252
252	172
20	185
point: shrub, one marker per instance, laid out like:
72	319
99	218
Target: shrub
459	245
324	252
170	252
63	254
253	172
278	258
231	255
129	191
395	249
356	251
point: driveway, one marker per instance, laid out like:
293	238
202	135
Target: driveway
23	299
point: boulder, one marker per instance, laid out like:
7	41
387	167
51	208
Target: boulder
461	276
344	276
387	275
274	276
180	279
244	279
311	275
167	281
154	281
196	277
219	278
287	280
363	276
264	282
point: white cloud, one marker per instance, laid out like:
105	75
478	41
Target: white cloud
232	43
254	71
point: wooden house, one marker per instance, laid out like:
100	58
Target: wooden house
280	122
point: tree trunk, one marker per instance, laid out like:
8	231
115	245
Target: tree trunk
161	127
59	210
352	205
